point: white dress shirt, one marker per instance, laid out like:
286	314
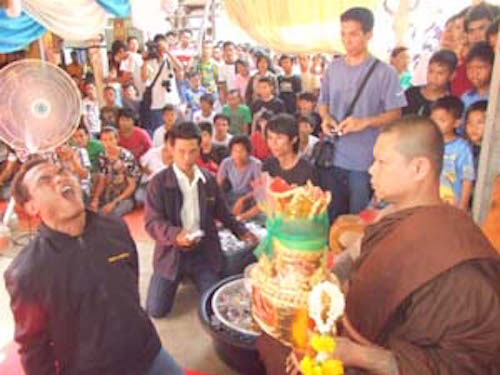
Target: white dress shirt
190	211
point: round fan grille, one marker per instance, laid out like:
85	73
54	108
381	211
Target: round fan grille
40	106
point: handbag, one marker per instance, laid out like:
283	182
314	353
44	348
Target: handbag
147	97
324	150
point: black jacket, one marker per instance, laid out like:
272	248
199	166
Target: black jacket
76	303
162	220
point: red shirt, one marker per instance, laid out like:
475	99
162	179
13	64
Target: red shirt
460	83
259	146
137	143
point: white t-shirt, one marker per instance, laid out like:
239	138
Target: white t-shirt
159	136
133	64
160	95
153	161
91	115
227	73
225	143
307	153
198	117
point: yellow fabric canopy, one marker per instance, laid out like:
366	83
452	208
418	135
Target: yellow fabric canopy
294	26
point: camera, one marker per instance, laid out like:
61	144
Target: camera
167	84
152	50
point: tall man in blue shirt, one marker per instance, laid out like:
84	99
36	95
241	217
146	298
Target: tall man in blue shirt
379	103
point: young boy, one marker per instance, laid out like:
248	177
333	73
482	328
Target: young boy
282	136
94	147
475	118
131	137
239	114
169	120
91	113
479	63
207	68
439	73
306	103
109	112
210	155
289	84
457	175
267	99
194	92
306	139
221	136
206	112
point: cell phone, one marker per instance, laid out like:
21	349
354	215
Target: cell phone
195	235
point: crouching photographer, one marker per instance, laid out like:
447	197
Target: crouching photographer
159	74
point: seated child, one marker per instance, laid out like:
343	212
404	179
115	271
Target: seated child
475	118
210	155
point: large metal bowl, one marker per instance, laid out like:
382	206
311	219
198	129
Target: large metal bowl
237	349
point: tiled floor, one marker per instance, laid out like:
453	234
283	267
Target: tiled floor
181	333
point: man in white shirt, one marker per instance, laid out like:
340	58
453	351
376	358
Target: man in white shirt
227	70
164	91
130	65
91	114
182	204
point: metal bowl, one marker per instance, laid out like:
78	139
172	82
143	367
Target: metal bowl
236	348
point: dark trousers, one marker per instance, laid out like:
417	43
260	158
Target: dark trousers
161	291
351	190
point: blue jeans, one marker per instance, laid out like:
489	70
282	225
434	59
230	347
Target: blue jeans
351	190
164	364
161	291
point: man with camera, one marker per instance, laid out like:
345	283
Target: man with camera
159	73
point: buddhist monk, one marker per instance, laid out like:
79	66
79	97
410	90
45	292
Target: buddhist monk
424	295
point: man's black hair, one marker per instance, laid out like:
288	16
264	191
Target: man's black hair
186	31
241	140
397	50
306	118
445	57
159	37
492	29
480	106
209	98
132	38
219	116
168	136
117	46
307	96
478	12
364	16
109	129
228	43
206	127
171	33
168	108
186	130
127	113
451	104
284	57
481	51
287	125
266	80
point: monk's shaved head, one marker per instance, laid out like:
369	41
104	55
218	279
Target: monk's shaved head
418	136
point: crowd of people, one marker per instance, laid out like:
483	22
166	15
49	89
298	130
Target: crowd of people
187	135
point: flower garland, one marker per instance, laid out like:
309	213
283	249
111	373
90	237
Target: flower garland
335	310
323	344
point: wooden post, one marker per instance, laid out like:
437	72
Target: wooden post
95	58
489	161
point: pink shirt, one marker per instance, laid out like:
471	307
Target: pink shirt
137	143
241	84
